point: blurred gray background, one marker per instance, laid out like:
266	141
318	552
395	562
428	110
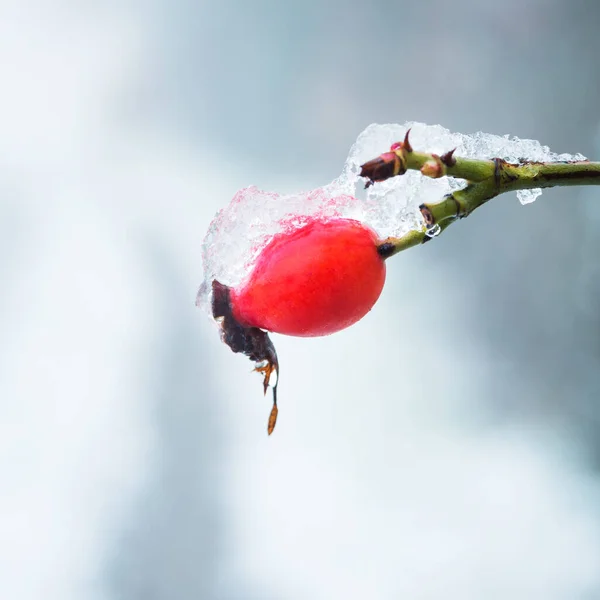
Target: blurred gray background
447	446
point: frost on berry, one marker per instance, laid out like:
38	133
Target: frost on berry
242	229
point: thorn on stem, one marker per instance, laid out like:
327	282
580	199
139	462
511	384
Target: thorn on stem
448	158
406	143
402	146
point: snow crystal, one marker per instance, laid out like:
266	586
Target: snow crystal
239	231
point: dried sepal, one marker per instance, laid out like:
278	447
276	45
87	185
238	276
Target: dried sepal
267	369
273	416
250	341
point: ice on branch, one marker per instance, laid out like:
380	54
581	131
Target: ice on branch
239	231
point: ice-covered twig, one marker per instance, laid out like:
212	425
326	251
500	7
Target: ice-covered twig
486	179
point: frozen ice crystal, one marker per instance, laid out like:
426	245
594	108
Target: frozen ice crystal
528	196
239	232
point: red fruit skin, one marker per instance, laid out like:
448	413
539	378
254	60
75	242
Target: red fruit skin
313	281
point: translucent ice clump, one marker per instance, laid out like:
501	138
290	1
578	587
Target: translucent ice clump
239	232
528	196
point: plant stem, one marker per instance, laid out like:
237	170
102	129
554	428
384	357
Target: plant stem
486	179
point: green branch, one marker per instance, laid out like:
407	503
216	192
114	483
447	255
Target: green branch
486	179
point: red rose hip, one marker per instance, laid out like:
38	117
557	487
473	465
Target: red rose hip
312	281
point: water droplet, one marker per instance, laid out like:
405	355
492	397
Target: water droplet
434	230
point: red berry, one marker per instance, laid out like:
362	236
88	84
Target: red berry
312	281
